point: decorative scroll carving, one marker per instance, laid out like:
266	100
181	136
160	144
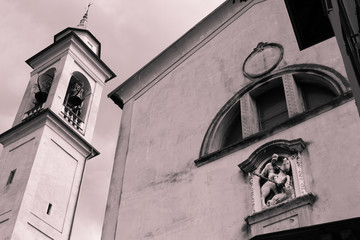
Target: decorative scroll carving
300	175
251	180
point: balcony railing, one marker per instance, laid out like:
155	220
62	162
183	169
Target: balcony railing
32	112
73	118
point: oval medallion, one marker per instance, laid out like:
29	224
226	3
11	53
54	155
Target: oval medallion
263	59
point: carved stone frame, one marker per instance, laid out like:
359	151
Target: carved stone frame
292	213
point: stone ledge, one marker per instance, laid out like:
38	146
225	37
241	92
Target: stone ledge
291	214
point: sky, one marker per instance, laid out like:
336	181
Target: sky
131	32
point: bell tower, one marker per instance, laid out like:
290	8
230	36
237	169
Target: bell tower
45	152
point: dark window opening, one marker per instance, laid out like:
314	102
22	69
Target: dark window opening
313	92
233	133
272	108
48	211
315	95
309	20
11	177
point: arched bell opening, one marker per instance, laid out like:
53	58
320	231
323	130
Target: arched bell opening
40	92
42	86
77	99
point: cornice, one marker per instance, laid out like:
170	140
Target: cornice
66	41
58	36
180	50
57	124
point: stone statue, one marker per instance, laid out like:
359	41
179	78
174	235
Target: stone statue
278	181
283	181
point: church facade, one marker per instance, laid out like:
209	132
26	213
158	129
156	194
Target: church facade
241	129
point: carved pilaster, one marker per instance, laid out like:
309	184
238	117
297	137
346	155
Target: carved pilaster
251	180
249	119
300	175
294	100
298	178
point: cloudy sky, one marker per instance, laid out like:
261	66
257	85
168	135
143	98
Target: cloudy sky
131	32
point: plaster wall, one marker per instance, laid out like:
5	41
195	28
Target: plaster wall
164	201
49	169
17	155
165	196
55	180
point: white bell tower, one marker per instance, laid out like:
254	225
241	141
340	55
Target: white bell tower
45	151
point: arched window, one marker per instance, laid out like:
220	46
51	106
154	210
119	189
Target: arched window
77	99
263	105
228	131
232	132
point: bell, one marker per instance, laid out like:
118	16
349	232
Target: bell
76	95
41	97
75	100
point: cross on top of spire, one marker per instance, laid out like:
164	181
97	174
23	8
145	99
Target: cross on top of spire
83	21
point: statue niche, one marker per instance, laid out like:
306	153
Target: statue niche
275	173
277	187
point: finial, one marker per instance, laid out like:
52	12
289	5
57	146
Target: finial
83	21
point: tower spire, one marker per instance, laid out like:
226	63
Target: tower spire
83	21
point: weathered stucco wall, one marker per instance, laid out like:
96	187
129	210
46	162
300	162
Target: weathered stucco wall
165	196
